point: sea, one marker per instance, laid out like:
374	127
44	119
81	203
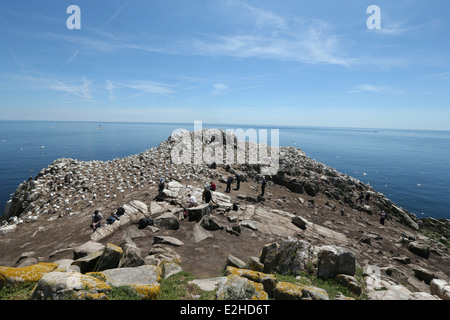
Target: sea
410	167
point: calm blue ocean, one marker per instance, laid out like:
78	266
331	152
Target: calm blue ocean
409	167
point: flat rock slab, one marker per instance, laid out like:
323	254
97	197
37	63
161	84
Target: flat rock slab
168	240
143	275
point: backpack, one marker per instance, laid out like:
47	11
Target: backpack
144	222
110	220
120	211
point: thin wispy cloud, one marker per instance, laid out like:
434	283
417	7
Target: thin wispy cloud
274	37
311	47
86	43
82	90
219	88
138	87
271	37
110	87
261	18
376	89
77	88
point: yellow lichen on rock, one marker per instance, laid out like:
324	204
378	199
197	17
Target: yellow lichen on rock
69	285
93	283
11	275
288	291
255	276
84	295
147	292
240	288
113	247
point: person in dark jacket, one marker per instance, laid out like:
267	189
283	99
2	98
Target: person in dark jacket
263	185
238	182
230	179
206	195
160	186
96	220
383	217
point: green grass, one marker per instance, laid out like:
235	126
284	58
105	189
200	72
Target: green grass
17	292
122	293
176	287
332	287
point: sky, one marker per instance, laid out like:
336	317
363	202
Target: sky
257	62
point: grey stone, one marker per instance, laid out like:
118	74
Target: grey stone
209	223
168	240
290	257
333	260
419	249
198	212
235	262
167	221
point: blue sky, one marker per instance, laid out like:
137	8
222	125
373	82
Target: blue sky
286	62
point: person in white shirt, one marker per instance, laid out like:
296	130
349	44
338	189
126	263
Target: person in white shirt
192	201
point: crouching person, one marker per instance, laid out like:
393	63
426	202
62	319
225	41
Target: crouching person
96	220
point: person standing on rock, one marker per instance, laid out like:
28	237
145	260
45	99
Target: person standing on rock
206	195
382	217
161	186
360	198
238	182
96	220
230	179
31	184
263	186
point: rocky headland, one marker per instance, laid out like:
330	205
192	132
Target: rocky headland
311	217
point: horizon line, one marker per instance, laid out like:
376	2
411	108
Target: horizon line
233	124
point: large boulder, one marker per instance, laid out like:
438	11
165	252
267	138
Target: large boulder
299	222
167	221
144	279
87	248
423	274
267	280
333	260
235	287
209	223
88	262
12	276
135	210
440	288
199	234
289	257
110	257
69	285
198	212
419	249
289	291
132	255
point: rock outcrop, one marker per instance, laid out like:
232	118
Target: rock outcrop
309	219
